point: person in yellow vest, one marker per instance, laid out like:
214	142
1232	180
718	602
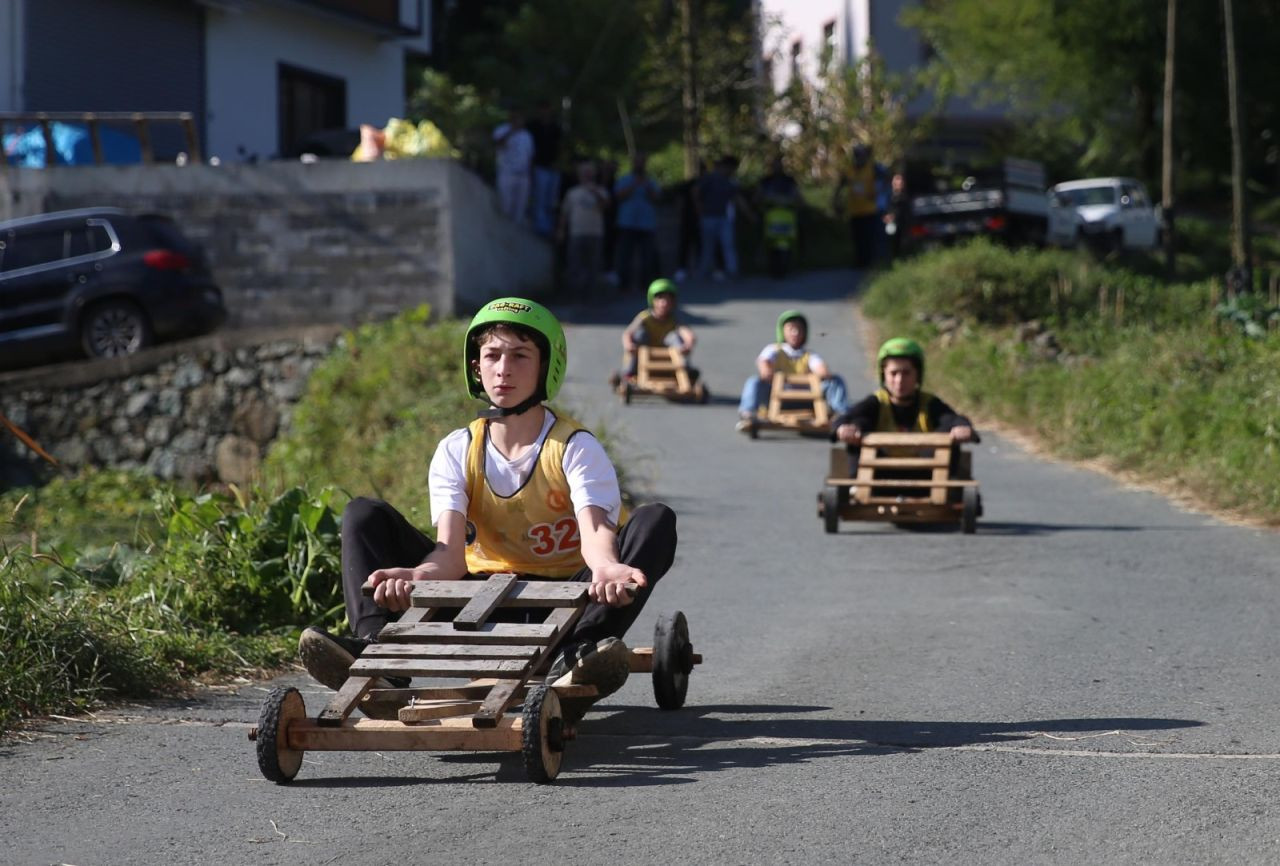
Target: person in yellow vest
788	354
657	325
857	196
520	489
899	404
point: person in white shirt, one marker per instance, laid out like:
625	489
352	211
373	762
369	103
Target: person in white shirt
514	163
788	354
581	230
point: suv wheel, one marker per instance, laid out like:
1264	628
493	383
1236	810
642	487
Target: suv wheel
114	328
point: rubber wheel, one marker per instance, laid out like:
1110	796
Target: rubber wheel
701	394
831	509
672	660
543	735
276	760
626	393
114	328
969	514
753	432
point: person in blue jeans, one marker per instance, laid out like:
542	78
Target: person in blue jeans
788	354
636	196
714	197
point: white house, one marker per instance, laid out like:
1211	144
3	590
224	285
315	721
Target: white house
798	35
260	76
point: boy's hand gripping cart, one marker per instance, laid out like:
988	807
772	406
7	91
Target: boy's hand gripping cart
795	403
662	371
496	659
876	494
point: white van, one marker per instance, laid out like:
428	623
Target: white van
1108	212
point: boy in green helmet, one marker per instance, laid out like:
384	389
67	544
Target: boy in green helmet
658	325
517	490
788	354
899	404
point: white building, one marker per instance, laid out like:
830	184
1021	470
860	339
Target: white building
260	76
798	35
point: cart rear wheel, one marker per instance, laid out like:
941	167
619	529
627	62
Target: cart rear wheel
276	760
969	514
701	394
626	393
543	735
753	430
672	660
831	509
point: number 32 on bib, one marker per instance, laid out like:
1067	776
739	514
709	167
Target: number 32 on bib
555	537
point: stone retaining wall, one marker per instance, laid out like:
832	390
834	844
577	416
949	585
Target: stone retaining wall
204	410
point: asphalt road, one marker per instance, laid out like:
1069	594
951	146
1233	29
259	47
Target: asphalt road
1086	679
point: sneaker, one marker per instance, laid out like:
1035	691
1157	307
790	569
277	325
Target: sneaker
328	658
605	665
615	379
745	423
680	275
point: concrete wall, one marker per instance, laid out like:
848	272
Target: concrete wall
332	241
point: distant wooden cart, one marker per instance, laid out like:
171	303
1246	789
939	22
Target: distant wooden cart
796	403
497	662
881	492
662	371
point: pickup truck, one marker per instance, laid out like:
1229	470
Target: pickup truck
1106	213
1008	204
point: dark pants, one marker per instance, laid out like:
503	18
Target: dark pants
633	243
375	535
866	240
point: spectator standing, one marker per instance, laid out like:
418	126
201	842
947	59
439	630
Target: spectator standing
897	220
581	229
856	196
714	197
637	218
545	130
514	159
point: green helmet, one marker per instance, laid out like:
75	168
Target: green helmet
787	316
657	287
901	347
542	327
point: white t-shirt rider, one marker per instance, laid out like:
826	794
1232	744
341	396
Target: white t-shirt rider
770	352
587	468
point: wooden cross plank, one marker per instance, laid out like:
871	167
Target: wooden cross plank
427	710
345	700
484	602
456	593
898	482
504	694
489	633
450	650
392	667
908	440
910	462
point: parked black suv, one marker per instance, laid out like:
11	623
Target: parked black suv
103	279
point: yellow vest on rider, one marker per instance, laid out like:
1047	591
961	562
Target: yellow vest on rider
657	330
533	531
860	191
784	363
887	424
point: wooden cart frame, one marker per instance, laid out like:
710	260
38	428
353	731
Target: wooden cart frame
795	403
874	494
662	371
497	661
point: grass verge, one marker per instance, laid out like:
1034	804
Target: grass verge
1162	380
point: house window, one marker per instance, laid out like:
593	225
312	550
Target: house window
309	102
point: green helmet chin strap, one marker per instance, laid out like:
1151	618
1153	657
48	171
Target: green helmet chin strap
901	347
536	321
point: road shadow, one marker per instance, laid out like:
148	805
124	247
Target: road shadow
640	746
1007	528
643	746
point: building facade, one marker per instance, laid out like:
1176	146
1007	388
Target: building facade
261	77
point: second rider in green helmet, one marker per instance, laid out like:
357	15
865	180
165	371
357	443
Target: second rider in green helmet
517	490
657	325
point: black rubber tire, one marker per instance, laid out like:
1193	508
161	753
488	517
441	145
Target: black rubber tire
831	510
626	393
702	393
114	328
542	735
276	761
753	431
672	660
969	513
